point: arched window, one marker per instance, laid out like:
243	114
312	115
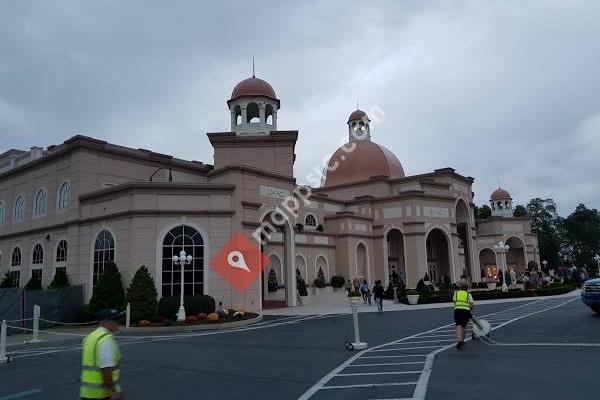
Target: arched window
64	196
37	261
41	203
19	211
252	113
183	237
15	260
237	111
269	114
310	220
1	212
61	255
104	252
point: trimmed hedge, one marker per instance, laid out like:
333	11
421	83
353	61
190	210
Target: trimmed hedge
337	281
194	305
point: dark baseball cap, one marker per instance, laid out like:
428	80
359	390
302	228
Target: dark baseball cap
109	314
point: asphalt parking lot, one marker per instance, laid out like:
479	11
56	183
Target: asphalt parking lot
283	361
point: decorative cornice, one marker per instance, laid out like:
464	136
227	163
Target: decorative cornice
141	185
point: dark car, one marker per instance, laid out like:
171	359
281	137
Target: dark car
590	294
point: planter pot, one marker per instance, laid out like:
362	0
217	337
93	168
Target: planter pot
326	289
412	299
491	285
305	300
355	300
337	289
427	283
313	290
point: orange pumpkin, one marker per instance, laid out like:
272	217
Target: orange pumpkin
202	316
213	317
144	322
191	319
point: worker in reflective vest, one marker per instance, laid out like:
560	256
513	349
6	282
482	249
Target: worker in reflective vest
463	304
100	362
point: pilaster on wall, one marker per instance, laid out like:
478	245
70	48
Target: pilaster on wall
416	260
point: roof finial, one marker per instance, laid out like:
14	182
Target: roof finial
253	67
498	183
357	104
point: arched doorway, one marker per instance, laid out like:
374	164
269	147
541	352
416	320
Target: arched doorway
515	257
274	284
278	240
395	257
463	230
438	256
321	264
487	261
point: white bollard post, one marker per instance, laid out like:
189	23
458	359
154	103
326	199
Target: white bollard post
396	299
357	345
3	358
36	325
128	316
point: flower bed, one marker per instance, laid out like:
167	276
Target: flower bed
446	296
201	319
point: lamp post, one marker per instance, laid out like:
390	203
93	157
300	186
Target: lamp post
597	258
502	249
545	263
182	260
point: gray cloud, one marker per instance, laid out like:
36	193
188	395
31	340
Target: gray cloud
505	91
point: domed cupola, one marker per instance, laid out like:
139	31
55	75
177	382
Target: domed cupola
253	107
501	203
360	158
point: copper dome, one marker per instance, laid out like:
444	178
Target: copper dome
500	194
357	116
366	160
253	86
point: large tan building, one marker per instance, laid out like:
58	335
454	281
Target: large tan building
84	202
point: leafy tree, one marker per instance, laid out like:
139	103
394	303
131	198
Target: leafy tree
34	283
60	279
483	212
142	296
545	222
108	292
581	232
520	211
7	282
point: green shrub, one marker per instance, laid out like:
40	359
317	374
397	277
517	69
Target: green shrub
7	282
320	281
354	293
142	296
337	281
84	315
34	284
108	292
60	279
301	286
389	292
168	307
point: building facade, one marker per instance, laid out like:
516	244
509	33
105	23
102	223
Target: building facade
82	203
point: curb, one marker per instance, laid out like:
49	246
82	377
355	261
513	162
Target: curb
190	328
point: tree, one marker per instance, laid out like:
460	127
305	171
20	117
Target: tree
320	281
581	233
520	211
142	296
34	283
108	292
483	212
545	222
272	283
7	282
60	279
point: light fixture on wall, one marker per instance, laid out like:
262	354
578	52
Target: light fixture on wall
48	237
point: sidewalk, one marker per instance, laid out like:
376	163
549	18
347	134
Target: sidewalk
337	303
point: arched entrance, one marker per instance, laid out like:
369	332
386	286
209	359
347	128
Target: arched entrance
321	264
395	256
487	261
515	257
279	243
463	230
438	256
301	267
274	284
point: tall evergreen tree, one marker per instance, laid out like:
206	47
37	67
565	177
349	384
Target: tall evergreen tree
7	282
142	296
581	232
60	279
108	292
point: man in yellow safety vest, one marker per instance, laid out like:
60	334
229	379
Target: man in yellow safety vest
100	361
463	304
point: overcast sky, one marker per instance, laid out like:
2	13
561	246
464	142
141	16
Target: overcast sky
503	91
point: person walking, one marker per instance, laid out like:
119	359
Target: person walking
101	360
364	290
348	286
463	305
378	295
356	284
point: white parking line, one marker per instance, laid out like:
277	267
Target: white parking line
367	385
380	373
380	364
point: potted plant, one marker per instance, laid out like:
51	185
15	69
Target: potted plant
320	283
354	297
299	227
320	228
337	282
412	296
426	280
491	283
302	291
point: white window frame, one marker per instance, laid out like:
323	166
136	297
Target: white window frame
22	213
44	212
60	264
37	266
60	209
311	226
